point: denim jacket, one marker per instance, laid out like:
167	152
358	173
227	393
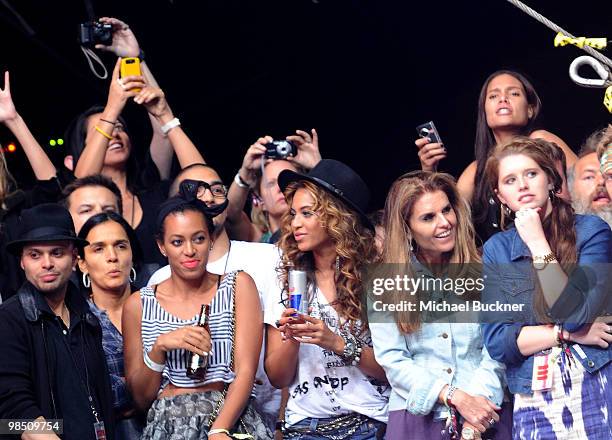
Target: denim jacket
420	364
510	279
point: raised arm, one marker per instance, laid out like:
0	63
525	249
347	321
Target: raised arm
96	142
238	224
155	102
125	44
39	161
248	340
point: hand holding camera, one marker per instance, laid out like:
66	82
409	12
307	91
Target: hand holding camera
117	37
431	148
252	160
307	146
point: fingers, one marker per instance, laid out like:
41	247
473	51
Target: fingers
197	340
116	70
133	78
315	137
7	82
131	85
310	319
103	47
421	142
148	94
494	407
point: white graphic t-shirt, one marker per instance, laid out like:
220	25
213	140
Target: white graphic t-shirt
323	386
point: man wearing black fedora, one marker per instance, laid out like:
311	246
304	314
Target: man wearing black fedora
53	366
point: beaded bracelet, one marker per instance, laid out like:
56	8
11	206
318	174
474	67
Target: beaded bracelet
450	391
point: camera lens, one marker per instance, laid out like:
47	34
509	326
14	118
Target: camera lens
282	148
424	132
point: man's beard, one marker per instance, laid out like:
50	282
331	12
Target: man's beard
582	206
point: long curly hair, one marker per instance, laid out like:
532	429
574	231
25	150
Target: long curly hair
559	226
399	246
354	246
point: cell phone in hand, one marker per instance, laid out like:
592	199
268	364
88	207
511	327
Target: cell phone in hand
428	130
130	67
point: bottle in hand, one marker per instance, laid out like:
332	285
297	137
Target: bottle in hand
198	363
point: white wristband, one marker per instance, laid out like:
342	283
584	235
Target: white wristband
158	368
241	183
170	125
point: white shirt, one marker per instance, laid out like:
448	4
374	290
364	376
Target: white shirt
260	261
323	386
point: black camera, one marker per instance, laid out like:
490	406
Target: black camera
94	32
280	150
428	130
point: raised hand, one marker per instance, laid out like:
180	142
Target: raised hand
430	153
7	107
307	144
121	89
252	159
124	41
154	100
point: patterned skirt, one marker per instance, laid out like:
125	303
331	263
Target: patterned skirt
187	416
579	406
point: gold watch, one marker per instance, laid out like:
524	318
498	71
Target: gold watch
541	261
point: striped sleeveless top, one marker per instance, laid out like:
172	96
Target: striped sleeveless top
157	321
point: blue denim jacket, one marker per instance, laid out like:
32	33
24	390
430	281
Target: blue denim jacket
420	364
510	279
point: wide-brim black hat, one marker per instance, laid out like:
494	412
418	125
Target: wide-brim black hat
339	180
45	223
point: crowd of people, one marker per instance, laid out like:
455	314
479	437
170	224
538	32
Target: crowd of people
107	262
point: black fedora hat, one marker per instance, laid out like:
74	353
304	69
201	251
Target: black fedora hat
338	179
44	223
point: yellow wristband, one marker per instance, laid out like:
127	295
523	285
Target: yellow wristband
103	133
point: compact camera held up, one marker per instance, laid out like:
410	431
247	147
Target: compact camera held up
94	32
280	150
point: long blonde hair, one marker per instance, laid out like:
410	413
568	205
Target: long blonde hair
354	245
398	246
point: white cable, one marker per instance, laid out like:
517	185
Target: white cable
546	22
91	55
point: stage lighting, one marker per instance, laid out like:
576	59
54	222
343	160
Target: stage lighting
11	148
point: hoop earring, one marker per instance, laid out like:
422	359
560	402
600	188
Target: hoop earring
86	281
132	277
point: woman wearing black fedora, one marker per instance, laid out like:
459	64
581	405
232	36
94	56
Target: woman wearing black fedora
336	387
